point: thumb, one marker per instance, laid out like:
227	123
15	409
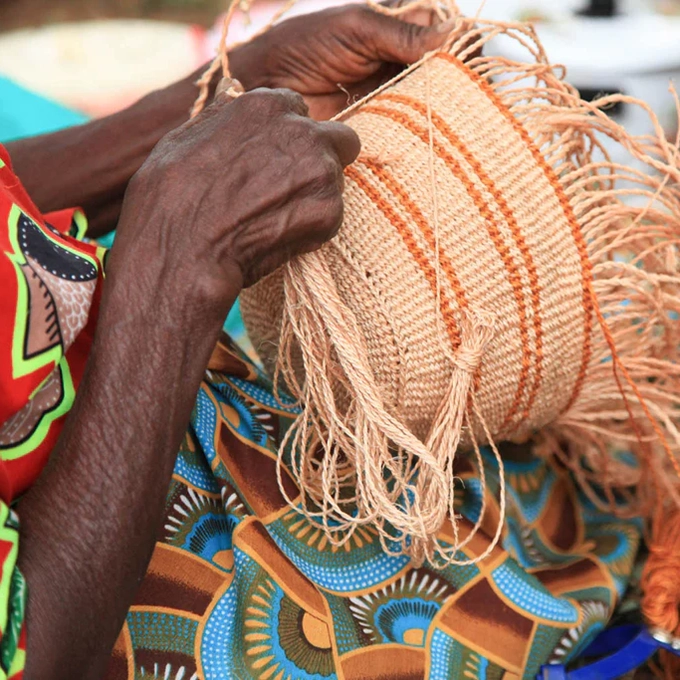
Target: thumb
403	42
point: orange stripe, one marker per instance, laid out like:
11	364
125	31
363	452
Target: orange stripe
589	298
518	236
409	241
586	267
494	233
391	183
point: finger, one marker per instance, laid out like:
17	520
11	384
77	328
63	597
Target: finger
402	42
285	100
422	16
343	139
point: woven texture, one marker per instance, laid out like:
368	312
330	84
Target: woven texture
476	293
504	252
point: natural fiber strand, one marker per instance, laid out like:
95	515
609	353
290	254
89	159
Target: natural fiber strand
564	127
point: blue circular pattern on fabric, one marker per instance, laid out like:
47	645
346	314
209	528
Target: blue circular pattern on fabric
211	534
394	619
370	566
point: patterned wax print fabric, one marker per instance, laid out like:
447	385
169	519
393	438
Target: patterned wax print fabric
242	586
48	297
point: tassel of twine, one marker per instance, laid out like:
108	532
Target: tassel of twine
354	461
661	583
638	409
447	427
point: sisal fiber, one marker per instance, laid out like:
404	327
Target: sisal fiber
492	281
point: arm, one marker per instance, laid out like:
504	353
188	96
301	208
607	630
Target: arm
88	527
90	165
326	56
219	209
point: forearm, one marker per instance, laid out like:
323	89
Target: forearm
90	165
88	527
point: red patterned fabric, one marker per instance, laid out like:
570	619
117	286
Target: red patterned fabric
50	283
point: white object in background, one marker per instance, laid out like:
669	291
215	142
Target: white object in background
101	66
636	52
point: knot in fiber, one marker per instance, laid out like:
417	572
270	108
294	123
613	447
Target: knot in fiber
230	88
468	359
476	333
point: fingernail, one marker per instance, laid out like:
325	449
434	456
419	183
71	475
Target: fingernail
447	26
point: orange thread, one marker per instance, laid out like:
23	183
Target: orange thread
660	581
507	212
397	190
586	267
409	241
494	232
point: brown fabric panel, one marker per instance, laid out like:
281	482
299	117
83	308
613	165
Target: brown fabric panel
489	624
224	360
254	474
253	539
121	664
178	580
160	591
558	522
385	663
576	576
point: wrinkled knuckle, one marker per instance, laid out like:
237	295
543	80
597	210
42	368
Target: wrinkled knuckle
251	101
256	103
295	99
335	214
327	175
306	137
334	170
409	35
286	101
360	13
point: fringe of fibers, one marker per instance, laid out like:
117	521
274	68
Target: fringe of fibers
357	465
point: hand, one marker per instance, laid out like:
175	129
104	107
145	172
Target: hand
336	56
240	189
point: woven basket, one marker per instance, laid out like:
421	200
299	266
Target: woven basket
473	295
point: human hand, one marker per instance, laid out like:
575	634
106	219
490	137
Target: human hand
239	190
336	56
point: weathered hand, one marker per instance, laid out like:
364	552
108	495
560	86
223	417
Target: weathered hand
241	188
337	55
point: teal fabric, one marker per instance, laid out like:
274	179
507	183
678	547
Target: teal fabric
26	114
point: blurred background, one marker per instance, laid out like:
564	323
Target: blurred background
63	61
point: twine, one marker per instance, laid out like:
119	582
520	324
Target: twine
623	393
348	441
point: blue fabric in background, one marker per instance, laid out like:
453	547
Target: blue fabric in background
26	114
